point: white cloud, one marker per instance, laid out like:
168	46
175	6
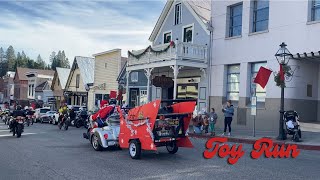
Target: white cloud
79	29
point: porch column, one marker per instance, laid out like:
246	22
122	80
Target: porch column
127	87
148	74
176	69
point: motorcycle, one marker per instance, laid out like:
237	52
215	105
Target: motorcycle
17	126
81	120
28	119
64	123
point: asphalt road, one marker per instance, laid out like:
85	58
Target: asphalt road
45	152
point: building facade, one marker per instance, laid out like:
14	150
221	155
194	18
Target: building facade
59	84
176	63
137	87
8	83
37	81
81	74
246	36
107	67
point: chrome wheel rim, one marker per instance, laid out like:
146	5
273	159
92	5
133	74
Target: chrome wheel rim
95	142
132	149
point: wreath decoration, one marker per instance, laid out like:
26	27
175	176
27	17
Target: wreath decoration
287	74
149	48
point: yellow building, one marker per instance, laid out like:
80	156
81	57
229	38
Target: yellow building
91	79
107	67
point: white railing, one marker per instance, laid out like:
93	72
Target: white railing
182	51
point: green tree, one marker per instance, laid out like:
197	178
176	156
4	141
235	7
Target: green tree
18	61
3	63
11	58
40	62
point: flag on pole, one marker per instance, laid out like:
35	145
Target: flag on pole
281	73
262	77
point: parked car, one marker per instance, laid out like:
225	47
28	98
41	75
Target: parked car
51	115
40	112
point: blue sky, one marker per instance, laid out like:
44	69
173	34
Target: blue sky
78	27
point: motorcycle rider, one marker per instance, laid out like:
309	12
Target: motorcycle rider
63	111
105	111
18	113
72	114
30	113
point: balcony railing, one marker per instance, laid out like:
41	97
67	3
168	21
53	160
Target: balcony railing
181	51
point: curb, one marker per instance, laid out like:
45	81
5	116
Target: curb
252	141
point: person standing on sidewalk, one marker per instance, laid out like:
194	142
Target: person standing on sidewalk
213	120
228	114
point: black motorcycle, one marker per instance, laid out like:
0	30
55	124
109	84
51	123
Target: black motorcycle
17	126
81	120
64	122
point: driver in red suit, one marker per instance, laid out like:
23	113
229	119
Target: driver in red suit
105	111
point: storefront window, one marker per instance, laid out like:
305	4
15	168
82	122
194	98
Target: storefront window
233	82
260	92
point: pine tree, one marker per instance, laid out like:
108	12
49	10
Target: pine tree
18	61
11	57
40	62
3	63
53	60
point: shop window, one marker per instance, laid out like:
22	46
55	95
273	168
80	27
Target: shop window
233	82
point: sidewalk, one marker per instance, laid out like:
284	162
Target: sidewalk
310	136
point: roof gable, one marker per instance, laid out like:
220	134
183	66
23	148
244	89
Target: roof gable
86	67
200	9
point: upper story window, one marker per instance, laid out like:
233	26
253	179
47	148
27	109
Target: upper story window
260	15
167	37
177	14
233	82
235	20
260	92
77	80
188	34
134	76
315	10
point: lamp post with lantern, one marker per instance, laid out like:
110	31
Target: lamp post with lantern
283	55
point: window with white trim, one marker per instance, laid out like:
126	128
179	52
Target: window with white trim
187	34
177	14
260	15
143	97
134	76
167	37
235	20
315	10
233	82
260	92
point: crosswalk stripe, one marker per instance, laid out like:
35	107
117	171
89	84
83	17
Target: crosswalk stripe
6	135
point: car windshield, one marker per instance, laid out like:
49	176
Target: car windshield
44	110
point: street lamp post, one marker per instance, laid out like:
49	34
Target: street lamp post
283	55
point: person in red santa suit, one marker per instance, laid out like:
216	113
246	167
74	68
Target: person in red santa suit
105	111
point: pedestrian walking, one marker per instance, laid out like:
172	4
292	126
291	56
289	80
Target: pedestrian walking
228	111
213	120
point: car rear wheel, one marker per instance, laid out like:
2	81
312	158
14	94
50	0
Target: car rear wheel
95	143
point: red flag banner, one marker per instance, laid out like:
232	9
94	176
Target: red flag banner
281	73
113	94
262	77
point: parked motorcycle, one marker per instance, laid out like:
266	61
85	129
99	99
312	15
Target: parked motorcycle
64	123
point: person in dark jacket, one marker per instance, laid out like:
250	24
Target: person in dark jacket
228	114
18	113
